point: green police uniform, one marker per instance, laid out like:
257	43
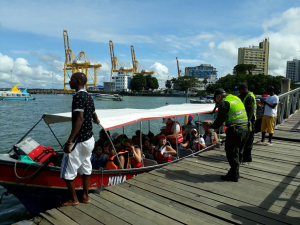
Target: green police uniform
232	111
250	106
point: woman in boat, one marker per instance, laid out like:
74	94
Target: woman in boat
135	154
98	158
163	151
103	139
210	137
112	160
197	142
147	148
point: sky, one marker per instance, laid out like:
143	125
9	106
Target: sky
197	32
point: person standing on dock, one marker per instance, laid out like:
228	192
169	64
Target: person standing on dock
269	117
80	144
249	102
232	111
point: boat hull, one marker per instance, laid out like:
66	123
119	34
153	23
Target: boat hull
47	190
17	99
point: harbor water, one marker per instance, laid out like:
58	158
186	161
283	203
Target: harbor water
17	117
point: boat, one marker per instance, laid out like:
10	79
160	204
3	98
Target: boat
39	187
108	97
15	95
201	101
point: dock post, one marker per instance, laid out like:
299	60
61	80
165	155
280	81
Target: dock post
285	87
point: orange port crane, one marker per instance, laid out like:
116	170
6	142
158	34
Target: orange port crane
137	67
81	63
117	65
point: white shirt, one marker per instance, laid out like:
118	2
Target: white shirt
175	127
199	139
271	100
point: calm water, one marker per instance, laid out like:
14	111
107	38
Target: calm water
18	117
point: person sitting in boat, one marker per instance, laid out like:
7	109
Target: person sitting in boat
210	137
138	133
163	151
185	143
112	159
151	137
98	158
147	148
135	154
197	142
173	133
103	139
136	140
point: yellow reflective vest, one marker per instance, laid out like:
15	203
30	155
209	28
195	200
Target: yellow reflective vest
255	106
237	113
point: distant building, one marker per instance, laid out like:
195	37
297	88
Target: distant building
109	86
257	55
293	70
204	71
122	81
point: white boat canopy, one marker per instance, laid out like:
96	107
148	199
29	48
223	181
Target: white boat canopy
114	118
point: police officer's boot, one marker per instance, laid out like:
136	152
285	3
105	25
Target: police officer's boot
231	176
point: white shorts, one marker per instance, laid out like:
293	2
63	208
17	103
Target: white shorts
78	161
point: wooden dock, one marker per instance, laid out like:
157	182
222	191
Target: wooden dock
191	192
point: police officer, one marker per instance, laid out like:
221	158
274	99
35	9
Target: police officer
249	101
232	111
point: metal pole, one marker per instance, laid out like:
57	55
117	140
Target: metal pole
141	142
177	150
11	77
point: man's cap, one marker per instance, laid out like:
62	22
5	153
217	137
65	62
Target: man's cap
165	120
162	136
219	91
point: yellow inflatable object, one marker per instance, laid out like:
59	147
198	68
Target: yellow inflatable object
186	120
15	89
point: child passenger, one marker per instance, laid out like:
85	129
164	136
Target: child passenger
210	137
98	158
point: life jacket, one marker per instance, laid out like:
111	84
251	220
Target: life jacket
250	94
237	114
110	161
179	134
42	154
160	158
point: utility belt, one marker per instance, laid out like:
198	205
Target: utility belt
237	125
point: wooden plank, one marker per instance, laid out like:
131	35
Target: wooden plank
229	189
137	209
78	216
170	199
118	211
154	205
237	210
57	218
256	180
200	206
99	214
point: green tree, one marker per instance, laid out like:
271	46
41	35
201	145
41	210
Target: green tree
205	82
151	83
185	82
168	83
138	82
250	68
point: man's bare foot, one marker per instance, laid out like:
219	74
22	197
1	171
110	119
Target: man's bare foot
70	203
85	200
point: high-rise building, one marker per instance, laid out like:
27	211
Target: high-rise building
257	55
122	81
204	71
293	70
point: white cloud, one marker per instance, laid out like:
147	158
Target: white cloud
20	71
211	45
283	33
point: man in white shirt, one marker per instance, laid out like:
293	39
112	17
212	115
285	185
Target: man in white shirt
270	115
